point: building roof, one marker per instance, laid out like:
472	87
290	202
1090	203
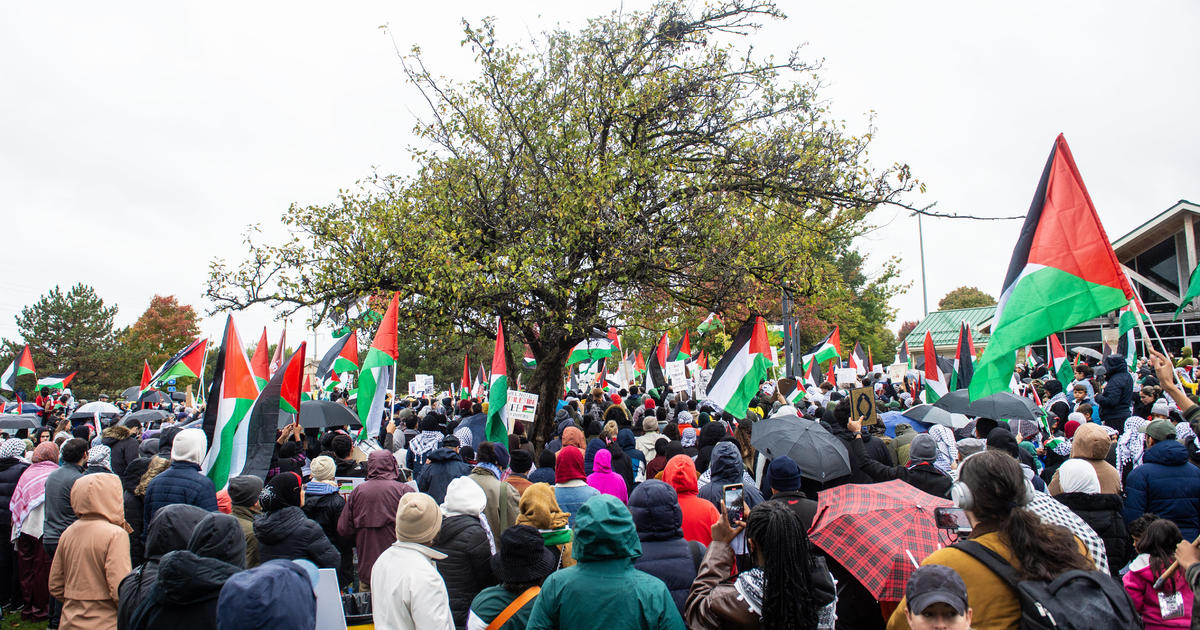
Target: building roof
1153	231
943	327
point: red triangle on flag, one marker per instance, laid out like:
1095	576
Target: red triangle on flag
260	364
499	365
386	338
293	376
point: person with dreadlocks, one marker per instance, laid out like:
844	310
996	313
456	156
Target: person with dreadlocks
790	587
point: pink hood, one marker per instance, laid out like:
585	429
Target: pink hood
604	479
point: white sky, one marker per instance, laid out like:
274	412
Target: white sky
138	140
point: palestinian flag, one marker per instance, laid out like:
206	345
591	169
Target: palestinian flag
735	380
858	359
1058	363
377	371
277	358
22	364
813	374
56	381
260	363
226	420
1193	290
828	350
702	360
496	429
614	336
712	321
964	359
479	385
1063	272
639	364
528	360
332	382
593	348
682	350
1031	358
307	392
1130	314
186	362
342	357
656	371
935	379
293	387
464	388
904	356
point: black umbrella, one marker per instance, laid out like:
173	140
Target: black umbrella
957	401
153	397
147	416
319	414
935	415
22	421
1004	405
819	454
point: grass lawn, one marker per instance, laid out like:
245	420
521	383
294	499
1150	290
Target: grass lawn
13	620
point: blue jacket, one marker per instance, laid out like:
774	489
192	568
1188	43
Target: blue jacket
665	553
275	594
570	499
443	467
180	483
1167	485
478	425
542	475
1116	401
726	468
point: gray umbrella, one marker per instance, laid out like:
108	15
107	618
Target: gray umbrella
319	414
935	415
957	401
819	454
1004	405
22	421
149	415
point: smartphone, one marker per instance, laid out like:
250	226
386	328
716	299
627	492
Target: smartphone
952	519
735	505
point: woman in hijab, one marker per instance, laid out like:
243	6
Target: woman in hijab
28	516
539	509
687	438
570	482
604	480
1103	512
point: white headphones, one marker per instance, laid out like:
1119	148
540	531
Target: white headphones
960	494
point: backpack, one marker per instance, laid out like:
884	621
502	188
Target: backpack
1075	600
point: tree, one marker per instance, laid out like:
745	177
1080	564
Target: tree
633	167
905	328
965	297
164	328
71	332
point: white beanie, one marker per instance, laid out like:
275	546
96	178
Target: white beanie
189	446
463	496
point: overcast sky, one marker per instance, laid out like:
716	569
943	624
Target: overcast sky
137	141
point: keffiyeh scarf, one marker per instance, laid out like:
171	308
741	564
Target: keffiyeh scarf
1130	445
947	447
424	442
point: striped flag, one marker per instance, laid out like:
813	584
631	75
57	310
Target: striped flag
496	429
376	373
231	397
736	379
935	379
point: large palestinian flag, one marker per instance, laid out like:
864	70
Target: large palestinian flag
22	364
597	346
291	388
56	381
964	359
377	370
230	400
829	349
342	357
260	363
858	360
656	370
496	429
1063	272
735	380
186	362
935	379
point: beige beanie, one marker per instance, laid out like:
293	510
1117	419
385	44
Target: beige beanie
650	424
323	468
418	519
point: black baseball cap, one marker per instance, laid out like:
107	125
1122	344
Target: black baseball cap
935	584
451	441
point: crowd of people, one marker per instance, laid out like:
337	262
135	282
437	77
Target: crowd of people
618	521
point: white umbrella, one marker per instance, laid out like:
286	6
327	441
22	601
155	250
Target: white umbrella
99	407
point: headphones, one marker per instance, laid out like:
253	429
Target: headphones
961	495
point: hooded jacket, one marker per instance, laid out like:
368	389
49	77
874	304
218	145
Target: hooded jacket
710	434
1103	513
604	579
1167	485
595	445
665	553
726	468
1116	401
502	501
570	482
900	444
444	466
628	443
10	473
1092	445
181	482
189	581
276	595
467	568
288	534
123	442
604	480
171	530
923	476
92	555
698	514
370	512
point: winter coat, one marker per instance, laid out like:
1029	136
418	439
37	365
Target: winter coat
370	512
245	517
857	475
444	466
923	476
10	473
709	436
541	475
1139	583
407	592
1091	444
726	468
123	442
637	458
288	534
604	579
520	482
291	593
1116	401
189	581
1167	485
135	508
900	444
646	442
877	450
803	506
92	555
467	568
604	480
698	514
1103	513
665	553
503	501
181	482
324	506
171	530
59	514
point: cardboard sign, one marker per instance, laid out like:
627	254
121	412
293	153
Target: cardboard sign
521	406
414	388
425	382
677	375
896	372
705	377
862	405
846	376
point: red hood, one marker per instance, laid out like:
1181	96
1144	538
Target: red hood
680	474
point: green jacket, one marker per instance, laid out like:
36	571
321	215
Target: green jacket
901	443
603	579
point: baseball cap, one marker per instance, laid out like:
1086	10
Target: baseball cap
935	584
1160	430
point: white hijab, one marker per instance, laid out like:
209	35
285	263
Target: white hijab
1077	475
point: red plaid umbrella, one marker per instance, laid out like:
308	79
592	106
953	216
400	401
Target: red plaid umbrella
871	529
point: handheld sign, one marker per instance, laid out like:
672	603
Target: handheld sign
896	372
862	405
846	376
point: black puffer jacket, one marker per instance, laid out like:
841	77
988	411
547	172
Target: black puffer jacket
727	469
710	434
290	535
123	442
923	476
10	473
1103	512
1116	400
665	553
189	581
467	568
134	508
325	510
444	466
170	531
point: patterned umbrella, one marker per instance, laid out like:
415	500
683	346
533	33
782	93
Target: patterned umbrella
877	532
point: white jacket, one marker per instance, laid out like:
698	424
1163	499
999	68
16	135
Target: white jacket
407	592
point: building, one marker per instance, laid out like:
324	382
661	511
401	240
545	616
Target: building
943	327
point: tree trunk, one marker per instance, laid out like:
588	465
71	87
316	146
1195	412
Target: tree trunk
547	383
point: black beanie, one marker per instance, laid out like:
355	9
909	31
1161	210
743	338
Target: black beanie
520	461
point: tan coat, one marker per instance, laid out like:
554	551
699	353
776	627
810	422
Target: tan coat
92	555
1091	444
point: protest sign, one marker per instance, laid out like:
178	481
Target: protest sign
414	388
521	406
846	376
425	382
677	375
896	372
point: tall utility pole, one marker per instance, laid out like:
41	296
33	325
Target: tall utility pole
787	331
924	292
